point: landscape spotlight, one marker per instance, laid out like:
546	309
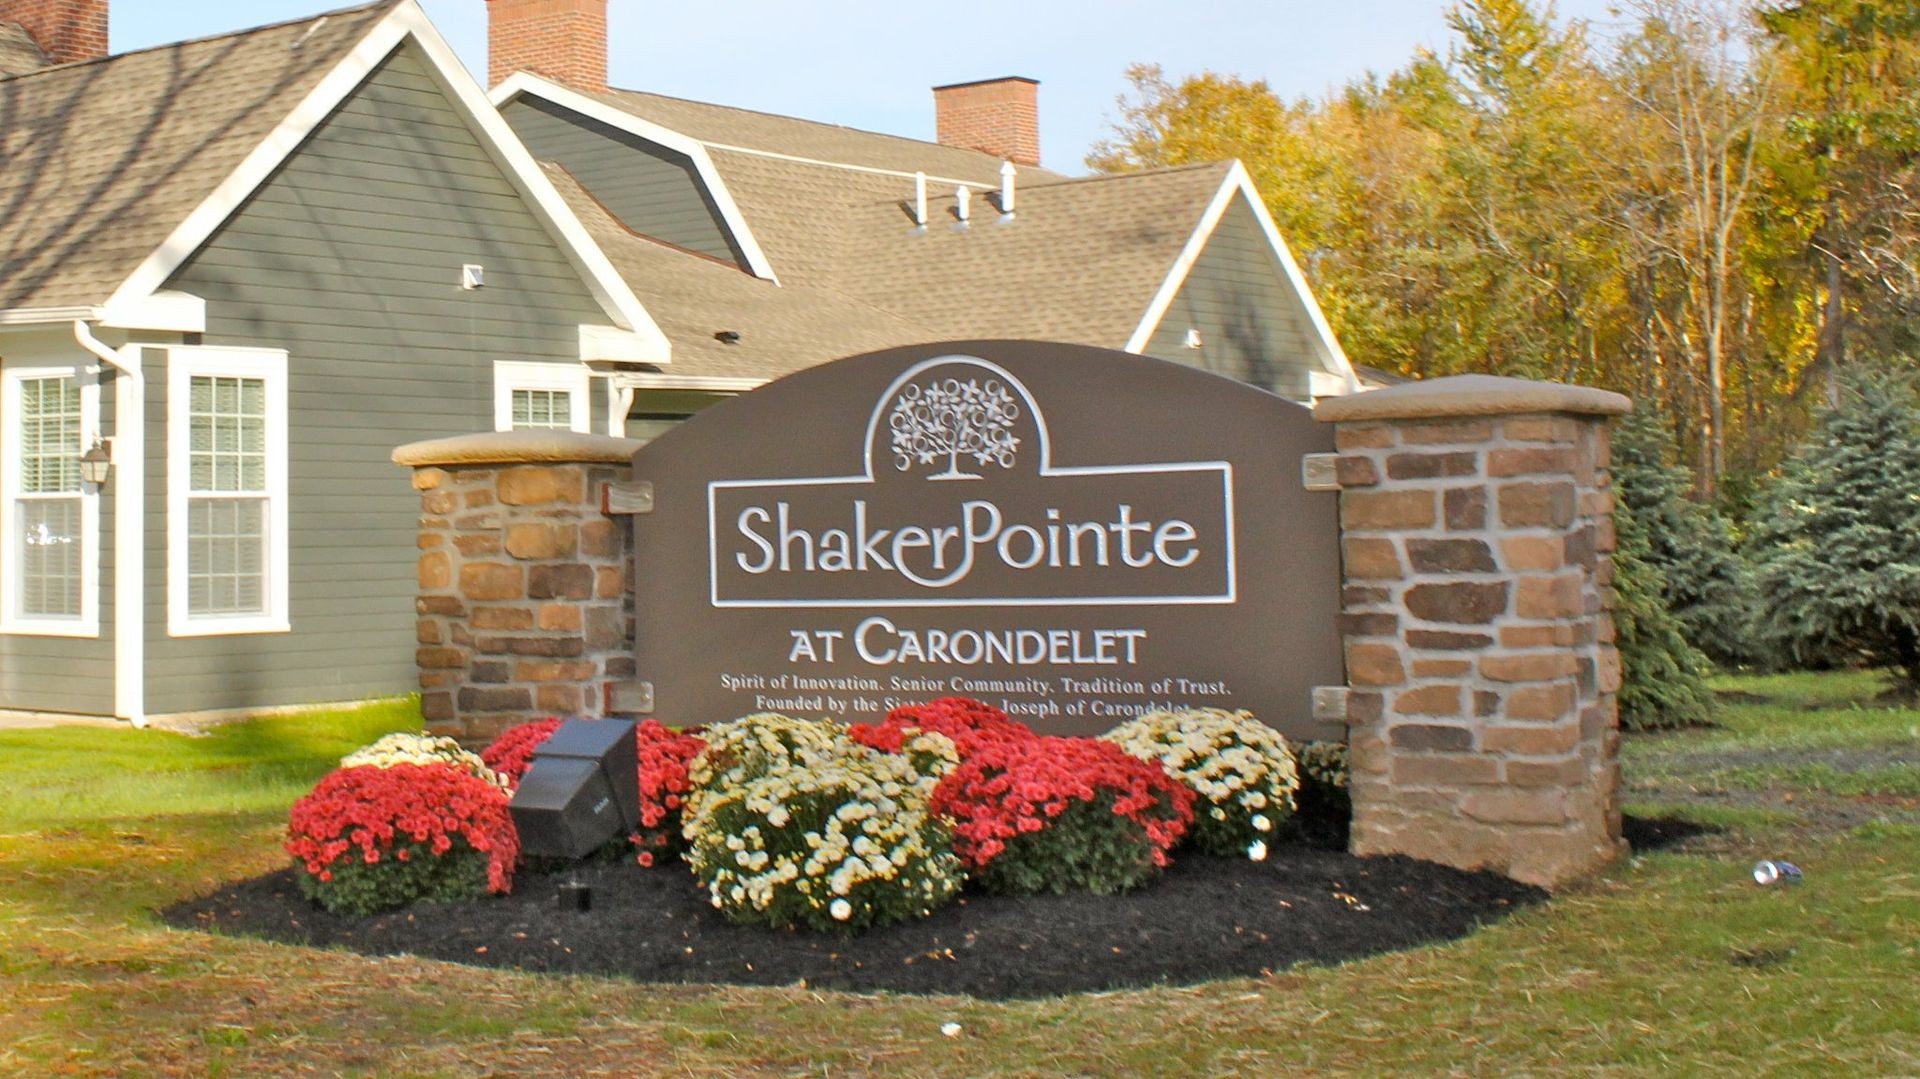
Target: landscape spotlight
581	790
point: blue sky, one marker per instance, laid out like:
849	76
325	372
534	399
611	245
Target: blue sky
871	65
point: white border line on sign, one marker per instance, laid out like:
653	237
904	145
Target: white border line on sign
1224	469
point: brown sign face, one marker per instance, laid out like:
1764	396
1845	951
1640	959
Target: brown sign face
1072	534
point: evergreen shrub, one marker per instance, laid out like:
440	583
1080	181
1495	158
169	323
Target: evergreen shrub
1837	541
1663	682
1705	583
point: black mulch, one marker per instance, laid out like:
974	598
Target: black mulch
1205	918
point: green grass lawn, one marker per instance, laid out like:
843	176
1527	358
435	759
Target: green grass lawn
1674	962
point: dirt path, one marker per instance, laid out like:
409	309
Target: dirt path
1725	778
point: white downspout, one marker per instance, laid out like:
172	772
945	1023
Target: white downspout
129	524
619	405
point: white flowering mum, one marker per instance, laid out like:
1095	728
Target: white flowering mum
752	746
827	834
1243	771
422	749
1325	762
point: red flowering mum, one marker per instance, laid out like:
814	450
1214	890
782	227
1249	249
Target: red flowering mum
969	723
511	754
371	839
664	756
1062	814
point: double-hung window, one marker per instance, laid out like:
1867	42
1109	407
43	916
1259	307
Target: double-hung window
227	568
540	396
49	564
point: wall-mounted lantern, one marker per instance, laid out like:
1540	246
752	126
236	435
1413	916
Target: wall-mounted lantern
96	463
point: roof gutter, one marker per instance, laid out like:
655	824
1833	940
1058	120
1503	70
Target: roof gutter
129	518
654	380
165	311
42	316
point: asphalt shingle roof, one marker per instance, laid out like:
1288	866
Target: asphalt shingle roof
1079	261
18	52
728	126
101	160
783	328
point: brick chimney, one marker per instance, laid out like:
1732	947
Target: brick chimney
563	40
66	30
995	116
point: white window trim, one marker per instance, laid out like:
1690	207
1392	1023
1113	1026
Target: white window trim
11	619
183	363
511	375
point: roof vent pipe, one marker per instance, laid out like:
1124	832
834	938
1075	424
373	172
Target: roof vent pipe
920	199
963	204
1006	188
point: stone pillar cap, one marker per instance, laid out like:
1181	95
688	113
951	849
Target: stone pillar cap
518	447
1469	395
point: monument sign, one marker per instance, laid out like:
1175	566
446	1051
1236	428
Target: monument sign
1070	533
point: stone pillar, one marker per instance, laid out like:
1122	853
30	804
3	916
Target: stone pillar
524	609
1476	526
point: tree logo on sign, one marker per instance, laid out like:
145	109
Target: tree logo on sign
951	421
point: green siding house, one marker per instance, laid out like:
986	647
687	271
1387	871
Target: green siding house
249	267
243	269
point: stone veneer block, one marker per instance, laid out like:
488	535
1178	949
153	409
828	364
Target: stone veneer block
522	607
1482	719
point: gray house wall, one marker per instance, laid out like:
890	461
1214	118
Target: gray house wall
1251	325
68	674
653	190
349	258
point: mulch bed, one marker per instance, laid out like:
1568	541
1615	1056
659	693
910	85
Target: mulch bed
1205	918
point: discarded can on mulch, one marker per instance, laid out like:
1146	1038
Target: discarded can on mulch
1768	871
576	896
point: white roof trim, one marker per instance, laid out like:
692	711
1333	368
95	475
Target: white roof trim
533	85
649	380
168	309
38	316
983	185
405	21
610	344
1239	182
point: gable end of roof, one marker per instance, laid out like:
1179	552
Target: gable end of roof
140	262
1237	184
